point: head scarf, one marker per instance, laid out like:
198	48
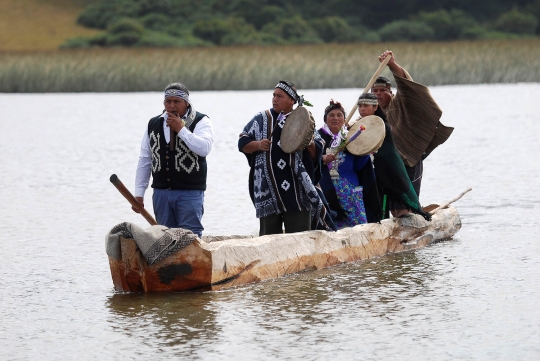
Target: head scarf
368	98
383	82
287	87
177	93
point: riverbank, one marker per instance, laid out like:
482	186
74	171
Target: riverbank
250	68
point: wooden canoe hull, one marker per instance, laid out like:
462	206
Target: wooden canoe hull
224	263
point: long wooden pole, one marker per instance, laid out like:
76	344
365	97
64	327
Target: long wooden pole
450	202
131	199
368	87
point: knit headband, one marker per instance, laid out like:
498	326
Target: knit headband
177	93
382	81
287	89
381	85
367	101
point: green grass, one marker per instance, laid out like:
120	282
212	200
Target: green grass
247	68
30	25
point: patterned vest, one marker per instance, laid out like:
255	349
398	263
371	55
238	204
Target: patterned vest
179	168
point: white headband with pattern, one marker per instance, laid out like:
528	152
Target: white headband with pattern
368	101
292	93
177	93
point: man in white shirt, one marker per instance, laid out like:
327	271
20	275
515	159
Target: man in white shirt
174	149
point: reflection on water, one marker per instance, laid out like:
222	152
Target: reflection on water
168	320
472	298
294	310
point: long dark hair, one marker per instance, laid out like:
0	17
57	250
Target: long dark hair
381	114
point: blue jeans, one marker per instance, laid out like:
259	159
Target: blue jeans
179	209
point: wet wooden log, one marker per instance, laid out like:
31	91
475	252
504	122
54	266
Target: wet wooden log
224	263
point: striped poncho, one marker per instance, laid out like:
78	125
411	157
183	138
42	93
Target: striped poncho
414	116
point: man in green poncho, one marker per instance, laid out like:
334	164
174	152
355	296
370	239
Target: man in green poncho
414	116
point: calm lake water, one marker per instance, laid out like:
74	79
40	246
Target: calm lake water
475	297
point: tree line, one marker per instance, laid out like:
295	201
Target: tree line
180	23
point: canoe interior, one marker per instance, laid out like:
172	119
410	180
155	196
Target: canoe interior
226	261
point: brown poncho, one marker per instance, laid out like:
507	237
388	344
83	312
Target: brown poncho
414	117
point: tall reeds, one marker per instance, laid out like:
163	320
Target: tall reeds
247	68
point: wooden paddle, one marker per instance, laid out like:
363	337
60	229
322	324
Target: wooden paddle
450	202
368	87
131	199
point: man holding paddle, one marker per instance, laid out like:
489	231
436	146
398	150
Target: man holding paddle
173	150
414	116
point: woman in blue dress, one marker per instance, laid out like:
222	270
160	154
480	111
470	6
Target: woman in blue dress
348	181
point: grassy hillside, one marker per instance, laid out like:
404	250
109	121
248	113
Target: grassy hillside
27	25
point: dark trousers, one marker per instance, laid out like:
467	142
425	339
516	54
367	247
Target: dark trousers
293	221
415	175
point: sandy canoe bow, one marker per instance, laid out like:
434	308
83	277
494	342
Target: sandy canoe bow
215	263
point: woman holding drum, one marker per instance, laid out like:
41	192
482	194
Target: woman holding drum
392	178
348	180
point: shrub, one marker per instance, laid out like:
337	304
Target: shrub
75	43
241	39
405	30
293	30
211	30
447	25
163	40
99	40
332	29
370	37
266	15
177	10
474	32
177	30
190	40
500	35
126	26
158	22
106	12
127	38
534	9
516	22
271	39
222	32
158	39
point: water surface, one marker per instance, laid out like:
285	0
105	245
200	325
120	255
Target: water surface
472	298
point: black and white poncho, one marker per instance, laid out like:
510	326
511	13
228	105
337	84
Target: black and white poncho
281	182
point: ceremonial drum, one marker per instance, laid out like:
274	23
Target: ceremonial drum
298	130
370	139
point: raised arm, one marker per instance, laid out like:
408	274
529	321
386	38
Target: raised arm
394	67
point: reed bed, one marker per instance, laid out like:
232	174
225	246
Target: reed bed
250	68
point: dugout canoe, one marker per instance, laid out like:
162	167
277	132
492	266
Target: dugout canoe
215	263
